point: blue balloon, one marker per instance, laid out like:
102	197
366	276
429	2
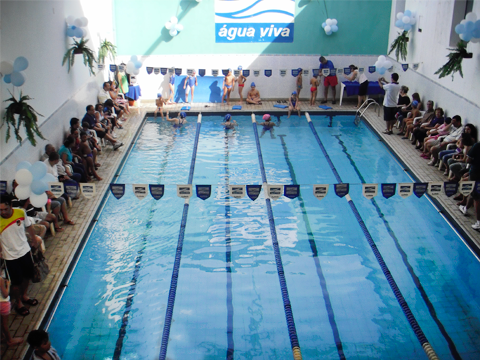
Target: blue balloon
467	36
7	78
476	33
329	33
334	28
23	165
399	24
407	27
78	32
70	32
73	27
17	77
38	187
459	29
48	178
38	170
407	13
323	25
469	26
133	58
20	64
381	71
137	64
477	24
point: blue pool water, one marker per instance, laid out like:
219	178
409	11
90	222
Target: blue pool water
228	301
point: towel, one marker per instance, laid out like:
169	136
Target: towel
186	108
237	107
324	107
280	106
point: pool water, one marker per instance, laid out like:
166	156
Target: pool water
228	301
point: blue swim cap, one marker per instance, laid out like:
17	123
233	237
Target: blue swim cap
253	84
299	69
294	93
228	117
159	95
239	68
415	103
183	115
229	70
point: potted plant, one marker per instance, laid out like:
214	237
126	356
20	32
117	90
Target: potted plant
106	49
19	113
80	47
454	62
400	45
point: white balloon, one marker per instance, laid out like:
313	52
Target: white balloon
130	67
173	20
406	19
84	21
329	22
387	64
463	21
24	177
136	71
327	28
471	16
475	40
413	21
6	67
70	19
38	200
168	25
179	27
173	32
334	22
22	192
78	22
199	0
400	16
382	58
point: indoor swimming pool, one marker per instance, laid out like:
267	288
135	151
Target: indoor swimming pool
228	278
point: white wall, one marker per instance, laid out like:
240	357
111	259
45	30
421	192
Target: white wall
429	48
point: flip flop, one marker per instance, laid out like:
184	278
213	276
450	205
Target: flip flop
31	302
59	229
22	311
69	222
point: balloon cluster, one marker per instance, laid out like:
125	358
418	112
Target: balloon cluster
469	28
134	65
32	182
330	26
382	64
405	20
13	73
173	26
75	26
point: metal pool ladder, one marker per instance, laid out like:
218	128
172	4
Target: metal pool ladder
364	107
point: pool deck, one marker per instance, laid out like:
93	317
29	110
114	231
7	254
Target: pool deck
62	247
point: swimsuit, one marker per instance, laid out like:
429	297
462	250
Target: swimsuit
313	88
229	86
191	81
172	80
241	85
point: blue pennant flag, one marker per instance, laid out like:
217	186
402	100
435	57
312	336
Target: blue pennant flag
419	189
246	73
71	188
149	69
291	191
3	187
157	191
268	73
371	69
253	191
118	190
341	189
201	72
347	71
204	191
156	71
405	67
113	68
178	71
225	72
450	187
333	72
163	71
388	190
315	72
295	72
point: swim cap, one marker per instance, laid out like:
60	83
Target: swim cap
159	95
299	69
229	70
415	103
239	68
253	84
228	117
183	115
294	93
266	117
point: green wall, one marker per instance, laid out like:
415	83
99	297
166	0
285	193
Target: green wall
140	28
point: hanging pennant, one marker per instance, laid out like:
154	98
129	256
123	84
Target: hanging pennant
189	72
237	191
88	190
246	73
372	69
274	192
268	73
466	187
320	191
118	190
236	73
184	191
370	190
361	70
253	191
71	188
171	71
291	191
57	189
149	70
405	190
419	189
315	72
340	71
283	72
435	188
341	189
215	72
305	72
256	73
390	69
164	71
326	72
100	67
113	67
450	187
405	67
347	71
157	191
333	72
3	187
204	191
178	71
140	191
121	67
156	71
388	190
201	72
225	72
415	66
295	72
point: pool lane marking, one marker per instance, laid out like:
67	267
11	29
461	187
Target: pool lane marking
313	247
228	256
404	257
178	256
292	331
391	281
138	260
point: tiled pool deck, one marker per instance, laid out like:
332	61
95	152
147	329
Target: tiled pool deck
62	247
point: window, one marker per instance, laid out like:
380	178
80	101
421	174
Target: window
460	9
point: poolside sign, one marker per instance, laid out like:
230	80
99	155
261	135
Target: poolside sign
419	189
184	191
450	187
57	189
254	21
291	191
320	191
388	190
405	190
118	190
204	191
341	189
435	188
71	188
157	191
88	190
274	192
370	190
237	191
466	187
140	191
253	191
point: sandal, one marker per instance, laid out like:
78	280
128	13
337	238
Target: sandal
31	302
69	222
22	311
59	229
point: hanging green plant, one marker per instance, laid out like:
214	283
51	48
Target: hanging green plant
454	63
80	47
400	45
106	49
19	113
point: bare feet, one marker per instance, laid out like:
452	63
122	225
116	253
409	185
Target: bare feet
15	341
69	222
98	178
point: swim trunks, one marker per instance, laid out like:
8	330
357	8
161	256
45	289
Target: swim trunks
313	88
241	85
228	86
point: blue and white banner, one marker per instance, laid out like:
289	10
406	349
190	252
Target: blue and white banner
419	189
149	69
254	21
388	190
204	191
157	191
246	73
118	190
163	71
291	191
225	72
178	71
347	71
450	188
405	67
71	188
342	189
253	191
372	69
315	72
268	73
201	72
113	67
156	71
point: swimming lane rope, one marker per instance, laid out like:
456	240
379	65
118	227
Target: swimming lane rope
391	281
178	255
292	331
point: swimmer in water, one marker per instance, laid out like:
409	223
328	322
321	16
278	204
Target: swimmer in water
177	122
159	102
229	124
171	84
228	85
294	104
241	84
313	90
268	125
190	83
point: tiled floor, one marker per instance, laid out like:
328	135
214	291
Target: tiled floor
61	248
